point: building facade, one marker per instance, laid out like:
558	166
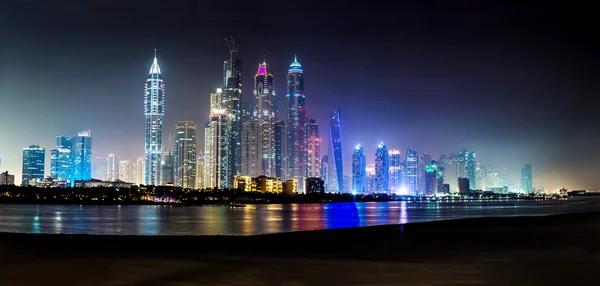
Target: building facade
313	150
337	163
250	151
185	154
61	164
396	172
359	170
410	171
280	150
382	169
265	114
526	179
154	110
126	171
113	167
34	159
296	124
167	168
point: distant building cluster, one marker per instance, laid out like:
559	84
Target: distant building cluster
251	142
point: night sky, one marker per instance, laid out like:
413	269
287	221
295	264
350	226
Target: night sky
514	82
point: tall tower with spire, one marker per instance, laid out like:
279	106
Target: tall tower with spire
296	124
265	115
232	96
154	110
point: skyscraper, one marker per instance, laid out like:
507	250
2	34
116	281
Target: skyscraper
280	150
33	164
526	179
313	150
154	110
410	171
140	168
61	164
463	185
185	154
468	158
451	171
113	167
382	169
325	171
219	155
126	171
395	172
336	144
167	168
359	170
250	151
81	150
201	164
371	179
101	168
208	168
296	124
424	161
232	95
430	180
264	113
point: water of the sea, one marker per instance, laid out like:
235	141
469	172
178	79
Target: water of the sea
261	219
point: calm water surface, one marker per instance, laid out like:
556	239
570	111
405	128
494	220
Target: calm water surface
260	219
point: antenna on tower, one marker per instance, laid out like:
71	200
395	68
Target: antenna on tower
233	49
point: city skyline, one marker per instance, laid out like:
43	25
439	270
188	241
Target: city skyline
502	135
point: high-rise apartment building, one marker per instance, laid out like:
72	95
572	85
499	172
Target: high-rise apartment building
468	159
359	170
313	149
126	171
61	164
232	96
526	179
430	180
280	150
382	169
140	168
113	167
250	151
336	163
101	168
167	168
395	172
371	179
154	110
410	171
264	113
34	158
296	125
325	171
219	155
185	154
200	165
424	161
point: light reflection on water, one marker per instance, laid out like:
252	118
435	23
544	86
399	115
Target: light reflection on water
260	219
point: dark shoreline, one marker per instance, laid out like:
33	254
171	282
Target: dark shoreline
541	250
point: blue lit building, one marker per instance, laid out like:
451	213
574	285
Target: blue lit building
382	169
33	164
61	164
336	144
468	159
396	172
411	172
232	94
526	179
81	152
154	110
359	170
296	123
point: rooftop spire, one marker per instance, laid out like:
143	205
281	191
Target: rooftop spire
155	68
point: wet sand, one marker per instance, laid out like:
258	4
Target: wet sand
551	250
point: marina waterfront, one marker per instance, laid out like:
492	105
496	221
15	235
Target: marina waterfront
261	219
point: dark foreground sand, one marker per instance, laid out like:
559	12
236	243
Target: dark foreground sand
554	250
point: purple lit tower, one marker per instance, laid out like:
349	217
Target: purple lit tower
296	125
265	115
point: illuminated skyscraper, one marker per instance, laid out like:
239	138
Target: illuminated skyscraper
126	171
81	150
167	168
101	168
468	159
208	169
296	124
185	154
371	179
313	150
382	169
526	179
154	110
451	171
139	170
410	171
113	167
250	152
232	95
61	164
264	113
280	150
359	170
219	155
34	158
424	161
336	145
395	172
325	171
200	165
430	180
